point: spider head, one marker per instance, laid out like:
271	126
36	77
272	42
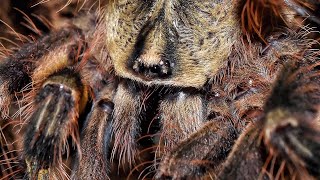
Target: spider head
176	42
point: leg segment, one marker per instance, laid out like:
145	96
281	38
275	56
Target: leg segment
187	145
181	115
290	131
95	139
57	106
96	134
55	100
17	69
126	124
292	126
203	150
246	159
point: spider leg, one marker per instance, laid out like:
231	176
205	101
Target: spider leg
291	125
290	130
93	162
203	150
55	97
128	106
57	106
246	159
181	114
17	69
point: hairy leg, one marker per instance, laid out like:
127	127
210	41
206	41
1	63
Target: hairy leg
290	130
181	114
93	162
128	106
291	125
202	151
54	118
47	63
49	54
95	139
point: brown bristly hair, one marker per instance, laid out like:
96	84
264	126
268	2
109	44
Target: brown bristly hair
260	17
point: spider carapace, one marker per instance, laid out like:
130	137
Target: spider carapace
164	89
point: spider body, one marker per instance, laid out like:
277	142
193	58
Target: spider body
170	89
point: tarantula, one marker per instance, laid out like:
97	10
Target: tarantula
167	89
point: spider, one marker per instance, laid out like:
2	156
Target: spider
168	89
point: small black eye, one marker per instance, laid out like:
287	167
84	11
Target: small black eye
106	105
213	115
155	69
